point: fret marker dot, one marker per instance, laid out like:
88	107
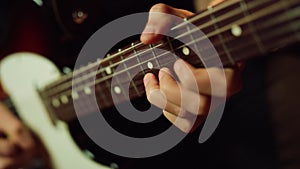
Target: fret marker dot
150	65
236	30
108	70
55	103
87	90
64	99
117	90
75	95
186	51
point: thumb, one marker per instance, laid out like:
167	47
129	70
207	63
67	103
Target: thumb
161	18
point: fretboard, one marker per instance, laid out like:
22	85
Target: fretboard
236	31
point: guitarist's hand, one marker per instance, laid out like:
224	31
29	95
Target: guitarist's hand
165	93
16	143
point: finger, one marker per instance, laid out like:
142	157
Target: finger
159	23
167	94
154	96
7	148
185	124
225	81
157	98
188	100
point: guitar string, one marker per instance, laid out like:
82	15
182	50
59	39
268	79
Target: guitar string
225	28
204	14
105	103
97	62
129	68
142	83
108	77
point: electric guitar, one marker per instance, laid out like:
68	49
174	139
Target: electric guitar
238	30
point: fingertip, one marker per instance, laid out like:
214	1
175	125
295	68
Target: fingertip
178	64
163	71
145	38
148	77
182	67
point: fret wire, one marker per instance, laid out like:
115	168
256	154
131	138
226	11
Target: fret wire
240	21
118	85
193	40
171	47
76	72
154	55
233	13
228	54
270	36
138	58
83	103
246	13
130	77
207	13
111	65
106	82
266	24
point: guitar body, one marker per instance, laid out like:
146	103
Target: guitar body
21	75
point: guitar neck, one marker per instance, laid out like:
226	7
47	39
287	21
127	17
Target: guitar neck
237	30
